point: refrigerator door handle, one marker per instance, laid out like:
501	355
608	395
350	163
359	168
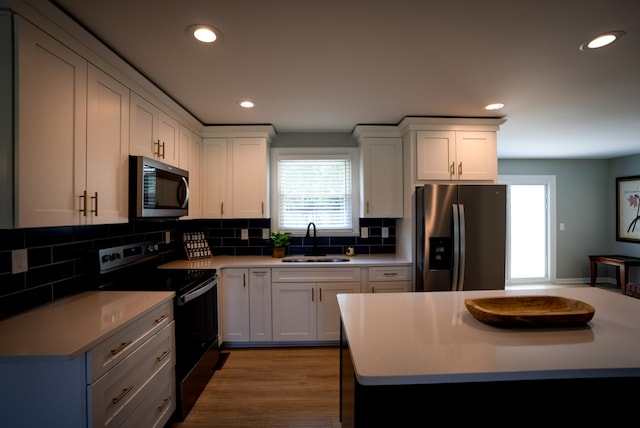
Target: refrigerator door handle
456	247
462	245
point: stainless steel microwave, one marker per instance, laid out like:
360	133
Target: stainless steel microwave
157	190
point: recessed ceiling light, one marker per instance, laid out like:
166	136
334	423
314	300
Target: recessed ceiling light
601	40
246	104
494	106
205	34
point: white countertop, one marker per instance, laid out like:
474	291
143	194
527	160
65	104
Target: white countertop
69	327
219	262
419	338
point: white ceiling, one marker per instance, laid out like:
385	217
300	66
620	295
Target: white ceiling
328	65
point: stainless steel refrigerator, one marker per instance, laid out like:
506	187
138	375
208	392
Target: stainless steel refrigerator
460	237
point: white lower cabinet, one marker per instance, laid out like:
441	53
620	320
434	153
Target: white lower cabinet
389	279
305	307
246	305
125	380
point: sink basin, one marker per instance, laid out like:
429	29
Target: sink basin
315	260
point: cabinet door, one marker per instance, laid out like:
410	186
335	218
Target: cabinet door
476	156
214	189
328	310
190	158
52	117
294	311
381	177
435	155
143	137
249	178
107	149
235	305
260	305
168	137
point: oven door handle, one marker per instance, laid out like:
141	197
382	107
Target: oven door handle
197	292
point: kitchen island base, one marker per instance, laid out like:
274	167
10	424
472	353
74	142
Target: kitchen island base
573	402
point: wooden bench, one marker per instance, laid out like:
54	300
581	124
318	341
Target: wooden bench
620	262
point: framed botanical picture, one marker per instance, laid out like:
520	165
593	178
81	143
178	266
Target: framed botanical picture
628	209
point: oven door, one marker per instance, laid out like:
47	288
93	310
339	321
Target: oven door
197	350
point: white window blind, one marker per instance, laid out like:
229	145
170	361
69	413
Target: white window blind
315	190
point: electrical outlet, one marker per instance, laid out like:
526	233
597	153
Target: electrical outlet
167	237
19	261
385	232
244	234
364	232
265	233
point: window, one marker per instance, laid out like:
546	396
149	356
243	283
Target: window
313	185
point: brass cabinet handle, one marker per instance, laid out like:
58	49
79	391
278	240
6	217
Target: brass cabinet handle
312	294
121	395
162	318
244	281
162	156
83	203
367	207
120	348
320	294
262	207
390	274
460	168
95	210
221	208
164	404
452	169
163	356
157	149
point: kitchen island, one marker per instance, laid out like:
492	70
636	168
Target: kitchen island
406	357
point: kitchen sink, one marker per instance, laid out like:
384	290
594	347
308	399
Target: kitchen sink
314	259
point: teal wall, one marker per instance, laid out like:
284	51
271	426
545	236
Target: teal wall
585	203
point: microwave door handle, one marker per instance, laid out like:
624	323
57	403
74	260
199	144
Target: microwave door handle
196	293
186	193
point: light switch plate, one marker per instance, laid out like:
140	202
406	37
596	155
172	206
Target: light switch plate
19	261
265	233
385	232
244	234
364	232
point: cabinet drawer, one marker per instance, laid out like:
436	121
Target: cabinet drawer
315	274
159	402
115	395
116	347
389	273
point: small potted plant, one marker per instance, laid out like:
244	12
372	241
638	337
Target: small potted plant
280	241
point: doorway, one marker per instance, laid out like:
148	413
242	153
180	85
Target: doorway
531	239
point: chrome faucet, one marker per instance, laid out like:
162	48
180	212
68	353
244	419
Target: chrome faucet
314	251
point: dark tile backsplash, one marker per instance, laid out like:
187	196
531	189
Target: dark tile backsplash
62	260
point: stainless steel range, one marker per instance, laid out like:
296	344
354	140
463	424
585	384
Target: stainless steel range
135	267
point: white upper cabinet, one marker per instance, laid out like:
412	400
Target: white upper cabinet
456	155
107	148
73	137
190	159
154	134
381	177
236	172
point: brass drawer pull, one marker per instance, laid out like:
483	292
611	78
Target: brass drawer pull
164	404
121	396
390	274
163	356
120	348
162	318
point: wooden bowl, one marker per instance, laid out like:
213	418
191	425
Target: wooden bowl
530	311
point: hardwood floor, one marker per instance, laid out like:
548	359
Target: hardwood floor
271	387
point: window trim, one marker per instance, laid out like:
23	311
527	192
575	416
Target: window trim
306	153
